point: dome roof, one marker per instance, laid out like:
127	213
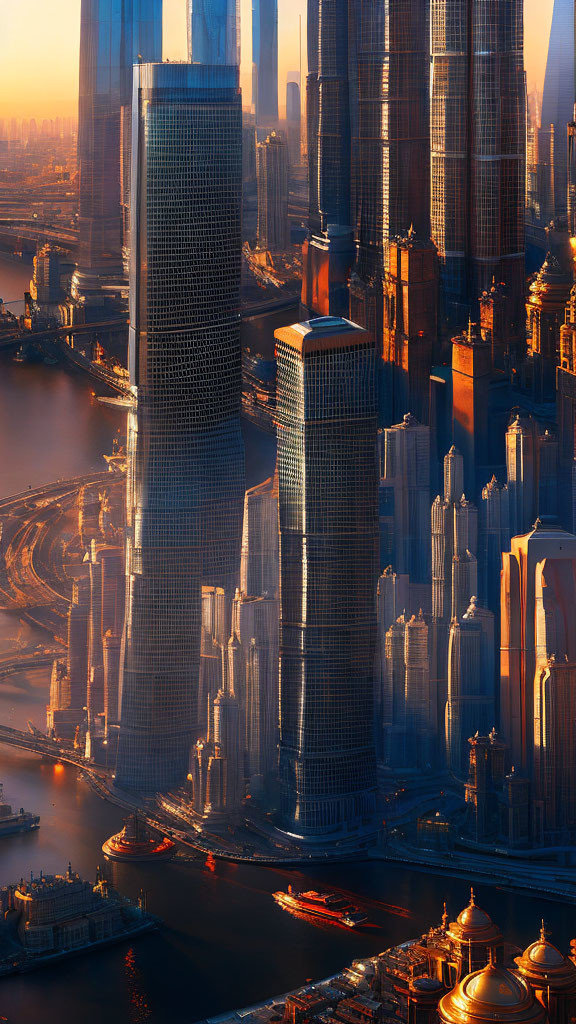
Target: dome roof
544	953
473	917
474	925
492	995
543	964
495	986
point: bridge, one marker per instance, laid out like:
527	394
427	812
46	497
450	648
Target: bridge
27	661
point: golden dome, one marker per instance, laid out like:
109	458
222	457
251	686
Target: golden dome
544	966
493	994
474	925
473	917
495	986
544	953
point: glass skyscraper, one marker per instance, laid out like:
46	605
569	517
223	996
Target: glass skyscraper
558	101
478	129
186	457
265	60
328	502
114	34
214	31
390	57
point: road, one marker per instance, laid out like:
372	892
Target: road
33	578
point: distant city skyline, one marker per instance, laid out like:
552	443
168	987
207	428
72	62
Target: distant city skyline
45	83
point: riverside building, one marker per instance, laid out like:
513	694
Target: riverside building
186	457
328	572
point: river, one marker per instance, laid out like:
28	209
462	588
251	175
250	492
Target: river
224	941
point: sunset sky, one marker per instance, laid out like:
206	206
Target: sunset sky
39	50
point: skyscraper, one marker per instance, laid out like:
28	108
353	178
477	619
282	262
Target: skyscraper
522	467
470	704
471	366
566	416
327	411
112	38
214	32
265	61
537	610
389	97
558	102
454	544
409	328
404	488
293	121
477	135
186	459
259	563
272	179
329	249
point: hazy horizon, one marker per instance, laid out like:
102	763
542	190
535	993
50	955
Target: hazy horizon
39	51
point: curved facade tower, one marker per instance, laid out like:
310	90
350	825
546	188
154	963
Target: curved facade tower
112	38
186	457
214	31
477	140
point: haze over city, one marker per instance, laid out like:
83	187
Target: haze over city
39	50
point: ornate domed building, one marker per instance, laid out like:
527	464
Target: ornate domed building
493	995
474	939
551	976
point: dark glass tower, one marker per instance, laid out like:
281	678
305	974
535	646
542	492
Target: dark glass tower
328	501
558	101
478	128
390	54
329	249
113	36
265	61
186	457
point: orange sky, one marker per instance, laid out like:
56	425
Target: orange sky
39	50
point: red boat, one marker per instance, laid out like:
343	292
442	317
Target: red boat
322	904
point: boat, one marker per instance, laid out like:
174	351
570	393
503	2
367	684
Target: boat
137	842
12	823
328	905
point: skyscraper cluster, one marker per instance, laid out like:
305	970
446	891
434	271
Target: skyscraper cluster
396	598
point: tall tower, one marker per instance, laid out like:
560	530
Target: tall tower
265	61
537	606
470	705
566	415
404	451
454	544
294	123
328	498
558	101
329	250
522	467
390	72
471	368
410	327
112	38
272	179
214	32
186	458
478	144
